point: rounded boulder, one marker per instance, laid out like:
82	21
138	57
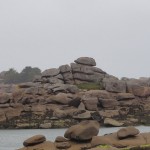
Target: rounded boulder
83	131
34	140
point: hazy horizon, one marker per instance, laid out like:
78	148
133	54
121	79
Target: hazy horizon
50	33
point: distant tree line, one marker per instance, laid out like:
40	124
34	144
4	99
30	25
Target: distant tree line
26	75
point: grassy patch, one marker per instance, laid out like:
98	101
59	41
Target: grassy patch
104	146
90	86
142	147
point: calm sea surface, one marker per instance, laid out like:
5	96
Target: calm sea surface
13	139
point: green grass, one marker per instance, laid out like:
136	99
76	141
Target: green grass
90	86
142	147
104	146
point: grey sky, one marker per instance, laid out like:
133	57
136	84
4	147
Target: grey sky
49	33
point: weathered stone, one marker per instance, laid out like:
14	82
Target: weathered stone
80	81
67	76
60	139
84	115
99	93
138	90
124	96
83	77
12	113
57	88
97	77
81	69
108	103
62	98
112	139
50	72
2	116
109	113
52	107
38	108
72	88
112	85
90	103
63	88
112	122
37	139
63	145
54	80
4	98
81	106
86	61
98	70
41	146
28	100
30	90
65	68
59	113
70	111
59	76
127	132
4	105
83	131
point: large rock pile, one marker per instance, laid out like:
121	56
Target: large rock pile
54	99
81	71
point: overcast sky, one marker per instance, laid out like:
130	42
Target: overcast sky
50	33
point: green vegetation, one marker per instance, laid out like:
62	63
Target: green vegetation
26	75
142	147
104	146
90	86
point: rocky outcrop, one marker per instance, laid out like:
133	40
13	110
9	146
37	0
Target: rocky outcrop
84	136
63	96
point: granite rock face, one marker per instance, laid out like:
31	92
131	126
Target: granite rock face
56	99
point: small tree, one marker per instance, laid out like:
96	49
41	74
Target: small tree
28	74
11	76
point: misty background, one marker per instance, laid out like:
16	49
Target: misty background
50	33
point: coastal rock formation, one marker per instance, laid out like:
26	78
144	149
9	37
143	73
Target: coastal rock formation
77	134
69	94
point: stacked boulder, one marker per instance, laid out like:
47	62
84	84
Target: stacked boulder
52	76
66	72
82	71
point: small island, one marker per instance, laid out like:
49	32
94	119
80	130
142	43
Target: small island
64	96
80	97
